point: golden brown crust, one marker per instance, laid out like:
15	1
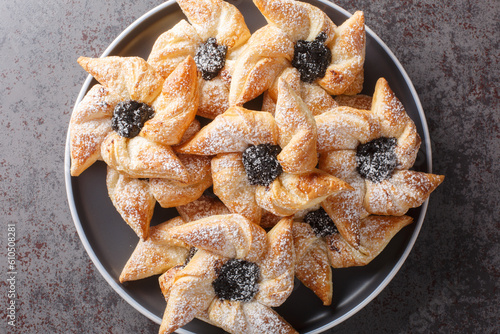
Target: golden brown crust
290	193
129	77
156	254
231	236
141	158
376	232
90	124
345	73
359	101
175	108
190	293
216	18
171	193
312	265
297	132
231	185
404	190
232	132
203	207
276	268
264	57
172	47
345	128
132	198
298	20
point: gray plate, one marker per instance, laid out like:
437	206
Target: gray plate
109	241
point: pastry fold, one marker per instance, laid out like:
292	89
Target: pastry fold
297	132
290	193
90	123
132	198
175	108
156	254
170	193
231	185
233	131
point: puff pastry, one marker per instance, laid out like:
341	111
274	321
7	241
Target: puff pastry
207	19
316	98
271	49
132	78
170	193
133	200
341	131
156	254
233	131
316	255
90	123
294	129
190	291
204	206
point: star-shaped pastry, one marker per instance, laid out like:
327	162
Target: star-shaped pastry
214	37
372	150
265	162
238	273
301	35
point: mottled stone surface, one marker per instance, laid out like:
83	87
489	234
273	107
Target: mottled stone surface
449	283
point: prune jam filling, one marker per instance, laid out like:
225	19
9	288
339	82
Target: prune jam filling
376	160
191	253
210	58
321	223
129	117
261	165
237	280
312	58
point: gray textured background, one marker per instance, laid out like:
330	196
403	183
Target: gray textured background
449	283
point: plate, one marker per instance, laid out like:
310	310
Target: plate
109	241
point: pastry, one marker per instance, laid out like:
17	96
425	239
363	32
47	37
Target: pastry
114	118
319	245
238	273
374	150
156	254
316	98
90	123
132	198
301	35
251	171
170	193
214	36
204	206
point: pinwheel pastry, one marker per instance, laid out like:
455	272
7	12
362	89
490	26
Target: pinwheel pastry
135	115
236	275
265	162
214	36
372	150
130	122
301	35
319	246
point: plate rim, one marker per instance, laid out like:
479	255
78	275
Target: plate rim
136	305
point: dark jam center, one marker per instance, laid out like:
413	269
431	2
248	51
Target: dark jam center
321	223
312	58
237	280
129	117
210	58
376	160
261	165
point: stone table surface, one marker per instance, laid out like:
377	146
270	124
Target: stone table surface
451	279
